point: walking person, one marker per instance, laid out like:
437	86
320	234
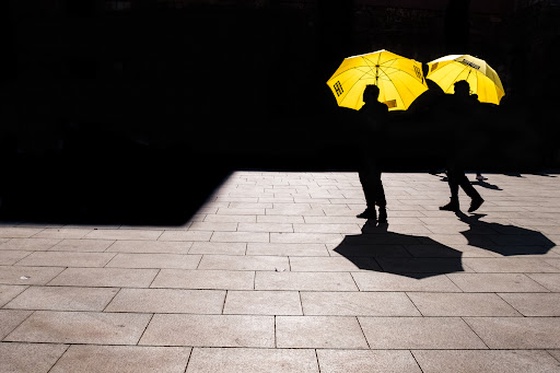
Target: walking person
372	119
460	110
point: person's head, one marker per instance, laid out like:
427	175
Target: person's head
371	93
462	88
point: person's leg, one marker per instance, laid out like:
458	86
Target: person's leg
368	188
469	189
465	184
479	176
380	199
452	182
476	198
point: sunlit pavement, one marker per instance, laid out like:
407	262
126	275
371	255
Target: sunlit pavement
274	273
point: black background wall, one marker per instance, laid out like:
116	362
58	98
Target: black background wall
100	95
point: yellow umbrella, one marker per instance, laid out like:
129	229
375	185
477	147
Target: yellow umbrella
482	78
400	79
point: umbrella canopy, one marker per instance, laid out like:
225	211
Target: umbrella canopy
483	79
400	79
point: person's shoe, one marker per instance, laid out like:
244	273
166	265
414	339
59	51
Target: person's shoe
479	177
382	215
475	204
453	205
368	214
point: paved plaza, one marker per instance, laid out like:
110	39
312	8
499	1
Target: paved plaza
274	273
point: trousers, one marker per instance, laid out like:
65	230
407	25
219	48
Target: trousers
372	186
456	178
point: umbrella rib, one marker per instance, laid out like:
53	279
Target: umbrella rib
356	82
397	69
393	81
365	72
454	78
369	62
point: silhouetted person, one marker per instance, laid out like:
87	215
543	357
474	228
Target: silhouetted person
460	110
371	122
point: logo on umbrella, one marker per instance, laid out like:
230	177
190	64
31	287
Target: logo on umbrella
338	88
470	63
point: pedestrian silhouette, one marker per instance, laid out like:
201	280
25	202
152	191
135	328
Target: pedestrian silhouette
372	120
460	110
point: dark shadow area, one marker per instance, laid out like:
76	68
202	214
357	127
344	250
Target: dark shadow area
170	96
417	139
102	179
545	173
512	174
378	249
504	239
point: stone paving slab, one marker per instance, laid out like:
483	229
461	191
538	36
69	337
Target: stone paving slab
496	361
358	303
155	260
8	292
275	273
204	279
30	357
24	275
102	359
517	332
110	277
10	319
29	244
66	259
63	298
149	247
204	330
419	333
319	332
80	327
389	361
261	360
168	301
250	302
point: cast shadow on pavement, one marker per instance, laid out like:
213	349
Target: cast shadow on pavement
504	239
487	185
483	183
379	249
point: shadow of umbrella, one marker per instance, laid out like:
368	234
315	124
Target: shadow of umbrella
504	239
378	249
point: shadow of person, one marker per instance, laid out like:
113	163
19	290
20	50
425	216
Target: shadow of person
378	249
504	239
544	174
486	185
